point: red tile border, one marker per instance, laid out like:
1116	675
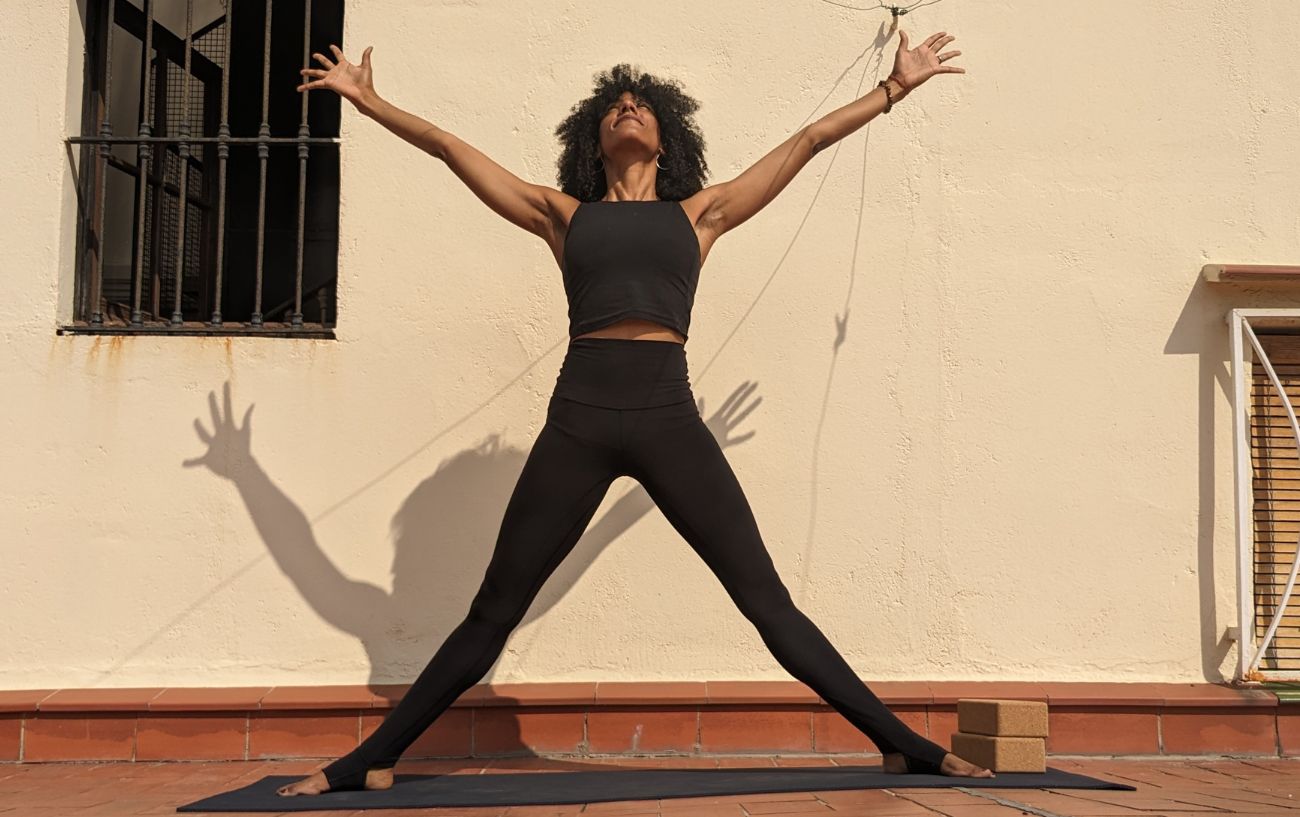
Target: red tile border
1288	730
524	731
1112	730
1214	695
903	693
688	718
60	736
730	729
201	736
209	699
23	700
760	692
318	697
1218	730
11	731
386	696
573	693
450	735
617	730
123	699
623	693
301	733
638	693
947	692
1109	694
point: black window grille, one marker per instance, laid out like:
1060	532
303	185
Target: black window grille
195	101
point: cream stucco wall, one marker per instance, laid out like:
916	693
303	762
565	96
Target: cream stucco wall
1015	463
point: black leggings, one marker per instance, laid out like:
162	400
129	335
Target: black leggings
625	407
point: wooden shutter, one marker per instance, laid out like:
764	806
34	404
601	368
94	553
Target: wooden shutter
1276	499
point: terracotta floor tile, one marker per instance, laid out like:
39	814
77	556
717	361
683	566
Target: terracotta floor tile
1241	800
1065	804
802	761
883	798
667	809
777	797
623	807
933	797
1167	805
745	761
543	811
1190	788
811	806
681	762
986	809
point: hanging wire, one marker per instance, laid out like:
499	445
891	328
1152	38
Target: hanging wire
897	11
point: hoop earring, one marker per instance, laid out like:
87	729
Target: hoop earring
601	166
661	167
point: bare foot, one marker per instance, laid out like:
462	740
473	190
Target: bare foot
317	783
953	766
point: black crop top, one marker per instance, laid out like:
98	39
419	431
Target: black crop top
630	259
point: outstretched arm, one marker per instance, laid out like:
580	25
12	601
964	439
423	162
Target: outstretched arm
522	203
735	201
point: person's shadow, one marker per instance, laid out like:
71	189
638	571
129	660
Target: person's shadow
443	536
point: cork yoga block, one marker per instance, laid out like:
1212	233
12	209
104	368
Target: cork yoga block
1001	754
1001	718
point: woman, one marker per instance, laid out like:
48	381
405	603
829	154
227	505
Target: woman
622	403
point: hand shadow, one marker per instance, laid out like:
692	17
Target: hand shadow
443	535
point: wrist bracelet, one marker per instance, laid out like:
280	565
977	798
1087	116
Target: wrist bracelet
889	97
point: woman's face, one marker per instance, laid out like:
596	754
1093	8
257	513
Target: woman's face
629	118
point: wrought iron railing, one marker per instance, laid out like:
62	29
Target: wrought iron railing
174	163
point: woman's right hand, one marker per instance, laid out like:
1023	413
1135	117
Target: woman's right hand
352	82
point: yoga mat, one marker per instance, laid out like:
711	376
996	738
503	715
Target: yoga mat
544	788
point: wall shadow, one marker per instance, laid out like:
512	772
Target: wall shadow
443	534
1202	330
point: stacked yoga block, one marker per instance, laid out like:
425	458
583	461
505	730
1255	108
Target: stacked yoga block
1005	736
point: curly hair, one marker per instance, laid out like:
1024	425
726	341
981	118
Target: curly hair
579	173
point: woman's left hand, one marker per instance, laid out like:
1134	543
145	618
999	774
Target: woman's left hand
913	67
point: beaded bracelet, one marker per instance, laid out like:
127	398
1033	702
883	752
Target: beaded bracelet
889	98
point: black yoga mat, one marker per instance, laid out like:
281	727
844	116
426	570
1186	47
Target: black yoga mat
543	788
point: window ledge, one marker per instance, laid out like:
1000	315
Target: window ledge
191	329
1251	274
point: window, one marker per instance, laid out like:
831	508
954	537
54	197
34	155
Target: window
196	101
1275	498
